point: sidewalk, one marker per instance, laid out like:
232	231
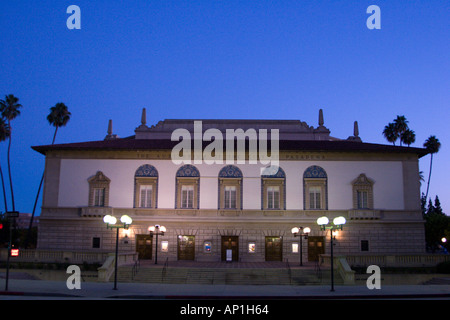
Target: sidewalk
40	289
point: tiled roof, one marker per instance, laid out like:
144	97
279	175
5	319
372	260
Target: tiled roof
131	143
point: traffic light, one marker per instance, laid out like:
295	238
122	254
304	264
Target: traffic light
1	226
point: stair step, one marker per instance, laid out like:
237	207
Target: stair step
262	276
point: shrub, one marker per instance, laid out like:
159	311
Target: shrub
443	267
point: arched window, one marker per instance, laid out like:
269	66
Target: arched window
187	193
315	189
273	191
146	187
230	188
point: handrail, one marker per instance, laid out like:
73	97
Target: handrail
288	266
164	270
135	268
317	270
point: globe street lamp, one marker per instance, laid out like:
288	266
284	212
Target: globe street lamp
301	232
338	224
111	224
157	230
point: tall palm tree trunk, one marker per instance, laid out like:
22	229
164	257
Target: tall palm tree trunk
4	192
9	168
27	239
429	177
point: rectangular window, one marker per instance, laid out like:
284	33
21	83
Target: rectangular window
363	199
315	198
99	197
273	197
95	242
230	197
364	245
187	197
146	196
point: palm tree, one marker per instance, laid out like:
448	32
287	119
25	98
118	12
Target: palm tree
432	145
10	110
408	137
401	125
58	117
4	134
390	133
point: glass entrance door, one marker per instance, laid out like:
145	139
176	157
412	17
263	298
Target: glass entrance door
274	249
316	247
144	244
186	247
230	248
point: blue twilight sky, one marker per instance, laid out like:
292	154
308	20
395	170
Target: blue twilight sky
223	59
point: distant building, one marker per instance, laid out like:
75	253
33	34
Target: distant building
209	209
23	221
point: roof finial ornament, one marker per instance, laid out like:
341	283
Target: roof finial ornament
110	132
321	117
144	117
110	127
355	137
355	129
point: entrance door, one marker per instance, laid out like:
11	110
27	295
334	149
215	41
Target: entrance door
230	243
316	246
144	244
274	249
186	247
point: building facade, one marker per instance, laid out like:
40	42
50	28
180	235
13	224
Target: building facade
232	208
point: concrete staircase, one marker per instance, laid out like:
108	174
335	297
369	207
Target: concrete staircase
228	276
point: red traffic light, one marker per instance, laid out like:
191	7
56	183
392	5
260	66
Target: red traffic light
14	252
1	226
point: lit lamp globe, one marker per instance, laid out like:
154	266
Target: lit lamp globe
322	221
339	221
307	230
126	219
295	230
108	219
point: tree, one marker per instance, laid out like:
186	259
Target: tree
10	110
437	224
401	125
408	137
4	134
390	133
432	145
58	117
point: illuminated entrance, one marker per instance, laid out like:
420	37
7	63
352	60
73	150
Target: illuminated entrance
274	249
186	247
230	248
144	243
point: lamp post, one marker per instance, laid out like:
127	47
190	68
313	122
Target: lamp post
111	224
301	232
338	223
11	215
157	230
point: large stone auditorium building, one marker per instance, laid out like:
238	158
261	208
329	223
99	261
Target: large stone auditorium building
230	203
